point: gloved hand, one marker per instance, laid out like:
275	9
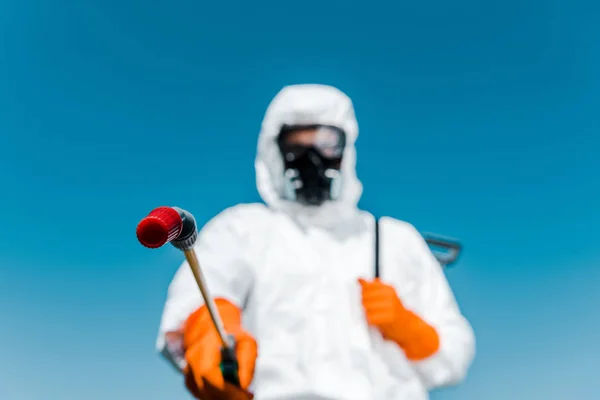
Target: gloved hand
385	311
202	346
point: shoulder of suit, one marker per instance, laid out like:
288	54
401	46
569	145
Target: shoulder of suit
402	230
404	237
239	221
248	210
242	214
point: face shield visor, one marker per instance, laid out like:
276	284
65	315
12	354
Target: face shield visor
312	157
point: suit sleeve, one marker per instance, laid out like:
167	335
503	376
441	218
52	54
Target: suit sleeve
433	300
220	250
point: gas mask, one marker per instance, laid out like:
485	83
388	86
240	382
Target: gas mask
312	157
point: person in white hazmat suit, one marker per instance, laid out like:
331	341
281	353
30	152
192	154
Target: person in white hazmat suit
294	279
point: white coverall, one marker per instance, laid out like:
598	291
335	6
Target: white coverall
294	273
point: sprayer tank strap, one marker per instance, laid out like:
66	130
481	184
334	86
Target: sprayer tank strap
377	268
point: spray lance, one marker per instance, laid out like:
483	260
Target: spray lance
176	226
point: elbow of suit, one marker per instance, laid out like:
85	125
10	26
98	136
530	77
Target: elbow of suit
457	373
459	361
451	364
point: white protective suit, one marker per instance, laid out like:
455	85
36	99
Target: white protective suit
294	273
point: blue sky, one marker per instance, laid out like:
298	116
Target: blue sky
479	120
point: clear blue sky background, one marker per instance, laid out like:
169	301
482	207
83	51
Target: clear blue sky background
479	120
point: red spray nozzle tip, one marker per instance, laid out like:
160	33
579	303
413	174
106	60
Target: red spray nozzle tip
162	225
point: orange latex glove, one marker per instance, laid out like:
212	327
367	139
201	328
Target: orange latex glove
202	346
385	311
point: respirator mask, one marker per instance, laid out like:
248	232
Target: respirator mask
312	157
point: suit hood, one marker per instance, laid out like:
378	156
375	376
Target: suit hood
308	104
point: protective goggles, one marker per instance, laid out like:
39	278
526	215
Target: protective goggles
328	141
